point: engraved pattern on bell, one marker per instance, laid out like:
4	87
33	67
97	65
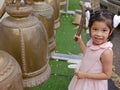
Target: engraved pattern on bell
25	38
10	73
45	13
56	6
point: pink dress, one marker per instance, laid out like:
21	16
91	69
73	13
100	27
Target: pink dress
91	63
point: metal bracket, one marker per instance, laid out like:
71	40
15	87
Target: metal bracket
65	57
66	11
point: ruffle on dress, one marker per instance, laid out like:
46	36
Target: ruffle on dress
97	47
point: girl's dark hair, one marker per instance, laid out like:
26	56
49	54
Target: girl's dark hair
105	16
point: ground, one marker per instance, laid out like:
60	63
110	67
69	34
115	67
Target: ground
116	50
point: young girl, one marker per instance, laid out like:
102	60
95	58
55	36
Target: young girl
96	65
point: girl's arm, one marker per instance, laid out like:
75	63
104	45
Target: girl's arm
81	43
106	59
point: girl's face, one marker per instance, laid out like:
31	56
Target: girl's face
99	32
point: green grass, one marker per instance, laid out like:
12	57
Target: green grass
65	34
60	77
73	5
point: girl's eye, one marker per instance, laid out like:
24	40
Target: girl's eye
95	29
104	30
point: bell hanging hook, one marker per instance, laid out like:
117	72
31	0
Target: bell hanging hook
29	2
18	4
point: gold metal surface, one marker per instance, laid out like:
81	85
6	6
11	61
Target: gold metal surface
56	6
25	38
10	73
45	13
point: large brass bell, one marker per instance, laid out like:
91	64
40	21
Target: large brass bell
24	37
10	73
56	6
45	13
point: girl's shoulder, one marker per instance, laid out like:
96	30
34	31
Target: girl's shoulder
107	55
108	51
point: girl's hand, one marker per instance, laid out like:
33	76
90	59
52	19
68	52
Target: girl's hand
78	38
80	75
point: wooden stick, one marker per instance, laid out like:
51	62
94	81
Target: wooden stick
82	21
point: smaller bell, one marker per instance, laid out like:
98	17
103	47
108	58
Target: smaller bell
77	17
56	6
10	73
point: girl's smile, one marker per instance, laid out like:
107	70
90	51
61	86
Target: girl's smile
99	32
